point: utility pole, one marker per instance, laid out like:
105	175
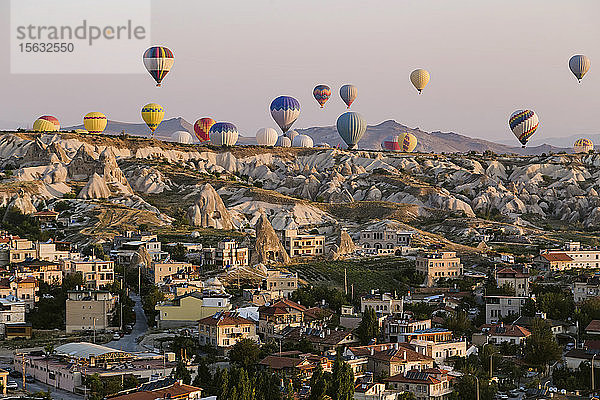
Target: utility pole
140	279
345	282
593	383
94	322
23	364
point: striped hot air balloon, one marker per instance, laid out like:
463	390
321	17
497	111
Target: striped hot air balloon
158	60
419	78
348	93
302	141
95	122
583	145
579	66
322	93
285	111
223	134
403	142
46	123
202	128
523	124
351	126
153	114
283	141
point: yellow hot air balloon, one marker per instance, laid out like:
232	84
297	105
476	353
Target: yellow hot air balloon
46	123
95	122
153	114
419	78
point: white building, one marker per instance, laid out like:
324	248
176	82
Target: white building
385	238
497	307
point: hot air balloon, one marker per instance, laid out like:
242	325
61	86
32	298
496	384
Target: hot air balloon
283	141
266	137
153	114
285	110
158	60
223	134
95	122
202	128
523	123
302	141
348	93
182	137
351	126
46	123
583	145
579	65
291	134
403	142
322	93
419	78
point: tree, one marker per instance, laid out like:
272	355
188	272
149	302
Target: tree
266	385
182	373
369	326
342	380
459	323
204	377
406	396
184	346
179	252
318	384
541	348
222	384
465	389
245	354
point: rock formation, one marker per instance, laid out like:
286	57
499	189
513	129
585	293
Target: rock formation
22	202
268	248
209	211
343	246
83	164
108	168
96	188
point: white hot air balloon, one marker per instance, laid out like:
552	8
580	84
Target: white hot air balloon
283	141
182	137
302	141
291	134
266	137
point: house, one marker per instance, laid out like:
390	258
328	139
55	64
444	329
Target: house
436	343
554	261
390	358
501	333
189	308
593	328
130	244
383	303
372	391
159	271
298	245
585	287
300	368
580	257
24	289
430	384
45	217
385	238
275	317
88	310
438	265
49	272
514	277
395	325
3	380
225	329
322	339
174	391
97	274
228	253
497	307
12	313
20	250
280	283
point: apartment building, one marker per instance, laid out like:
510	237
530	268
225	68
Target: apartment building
573	255
384	303
385	238
585	288
96	273
159	271
438	265
49	272
228	253
436	343
501	333
89	310
20	250
280	283
186	310
24	289
430	384
298	245
12	313
128	246
224	329
497	307
517	278
390	359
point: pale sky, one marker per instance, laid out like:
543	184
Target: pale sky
486	58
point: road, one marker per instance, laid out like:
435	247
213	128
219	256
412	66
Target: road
57	394
129	342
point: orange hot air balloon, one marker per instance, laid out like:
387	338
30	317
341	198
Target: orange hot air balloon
202	128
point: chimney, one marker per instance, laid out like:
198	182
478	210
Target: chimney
404	355
372	351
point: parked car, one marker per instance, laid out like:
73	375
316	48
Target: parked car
29	378
116	336
12	385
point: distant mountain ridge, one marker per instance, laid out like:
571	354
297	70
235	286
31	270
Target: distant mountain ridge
436	142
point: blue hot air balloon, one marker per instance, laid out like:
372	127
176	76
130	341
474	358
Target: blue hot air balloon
285	111
351	126
223	134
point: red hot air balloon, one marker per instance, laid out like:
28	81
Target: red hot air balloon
322	93
202	128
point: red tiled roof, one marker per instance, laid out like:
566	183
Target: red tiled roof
557	257
511	272
45	213
387	352
593	326
281	307
225	318
176	391
276	362
507	330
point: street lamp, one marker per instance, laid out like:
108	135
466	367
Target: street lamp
476	385
491	357
593	385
